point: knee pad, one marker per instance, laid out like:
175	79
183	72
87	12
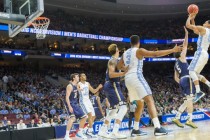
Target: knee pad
121	113
193	75
200	77
112	115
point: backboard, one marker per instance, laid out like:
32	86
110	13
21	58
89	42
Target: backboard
30	9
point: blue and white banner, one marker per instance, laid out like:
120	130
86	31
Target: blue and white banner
13	52
103	57
123	126
100	37
197	116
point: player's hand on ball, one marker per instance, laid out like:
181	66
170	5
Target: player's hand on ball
192	16
177	48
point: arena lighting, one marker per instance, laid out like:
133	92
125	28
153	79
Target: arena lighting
98	57
85	56
101	37
13	52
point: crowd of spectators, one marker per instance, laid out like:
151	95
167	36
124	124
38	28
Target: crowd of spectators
29	99
148	29
61	20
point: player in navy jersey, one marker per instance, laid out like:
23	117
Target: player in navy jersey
181	76
112	89
96	101
74	110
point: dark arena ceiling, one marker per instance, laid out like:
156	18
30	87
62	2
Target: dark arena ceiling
128	8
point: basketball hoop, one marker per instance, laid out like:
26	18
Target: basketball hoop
40	25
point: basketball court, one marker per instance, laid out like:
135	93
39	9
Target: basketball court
20	14
187	133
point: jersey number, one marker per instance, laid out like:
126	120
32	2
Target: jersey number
75	95
178	68
92	101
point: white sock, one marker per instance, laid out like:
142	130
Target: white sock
67	132
178	115
190	116
136	125
116	128
207	83
197	87
156	122
103	128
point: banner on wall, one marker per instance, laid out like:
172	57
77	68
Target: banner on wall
101	37
197	116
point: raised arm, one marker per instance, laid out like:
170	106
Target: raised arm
94	90
185	44
145	53
199	30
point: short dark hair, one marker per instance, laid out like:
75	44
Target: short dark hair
81	74
112	49
72	76
177	54
134	39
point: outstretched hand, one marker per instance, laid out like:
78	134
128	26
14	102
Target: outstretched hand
177	48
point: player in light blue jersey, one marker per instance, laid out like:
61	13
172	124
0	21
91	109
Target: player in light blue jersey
201	56
137	86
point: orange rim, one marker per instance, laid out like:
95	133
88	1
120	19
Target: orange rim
39	18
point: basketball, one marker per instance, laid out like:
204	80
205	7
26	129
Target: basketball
192	9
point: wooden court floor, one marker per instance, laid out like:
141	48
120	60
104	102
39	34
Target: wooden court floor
187	133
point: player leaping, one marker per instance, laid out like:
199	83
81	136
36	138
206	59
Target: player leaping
201	55
181	76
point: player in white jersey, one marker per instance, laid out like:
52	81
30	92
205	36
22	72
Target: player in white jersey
137	86
201	55
84	100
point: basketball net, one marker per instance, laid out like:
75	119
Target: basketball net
40	25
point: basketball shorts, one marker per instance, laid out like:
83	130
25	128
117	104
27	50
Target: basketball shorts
114	94
87	106
98	113
137	86
200	59
187	86
77	111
